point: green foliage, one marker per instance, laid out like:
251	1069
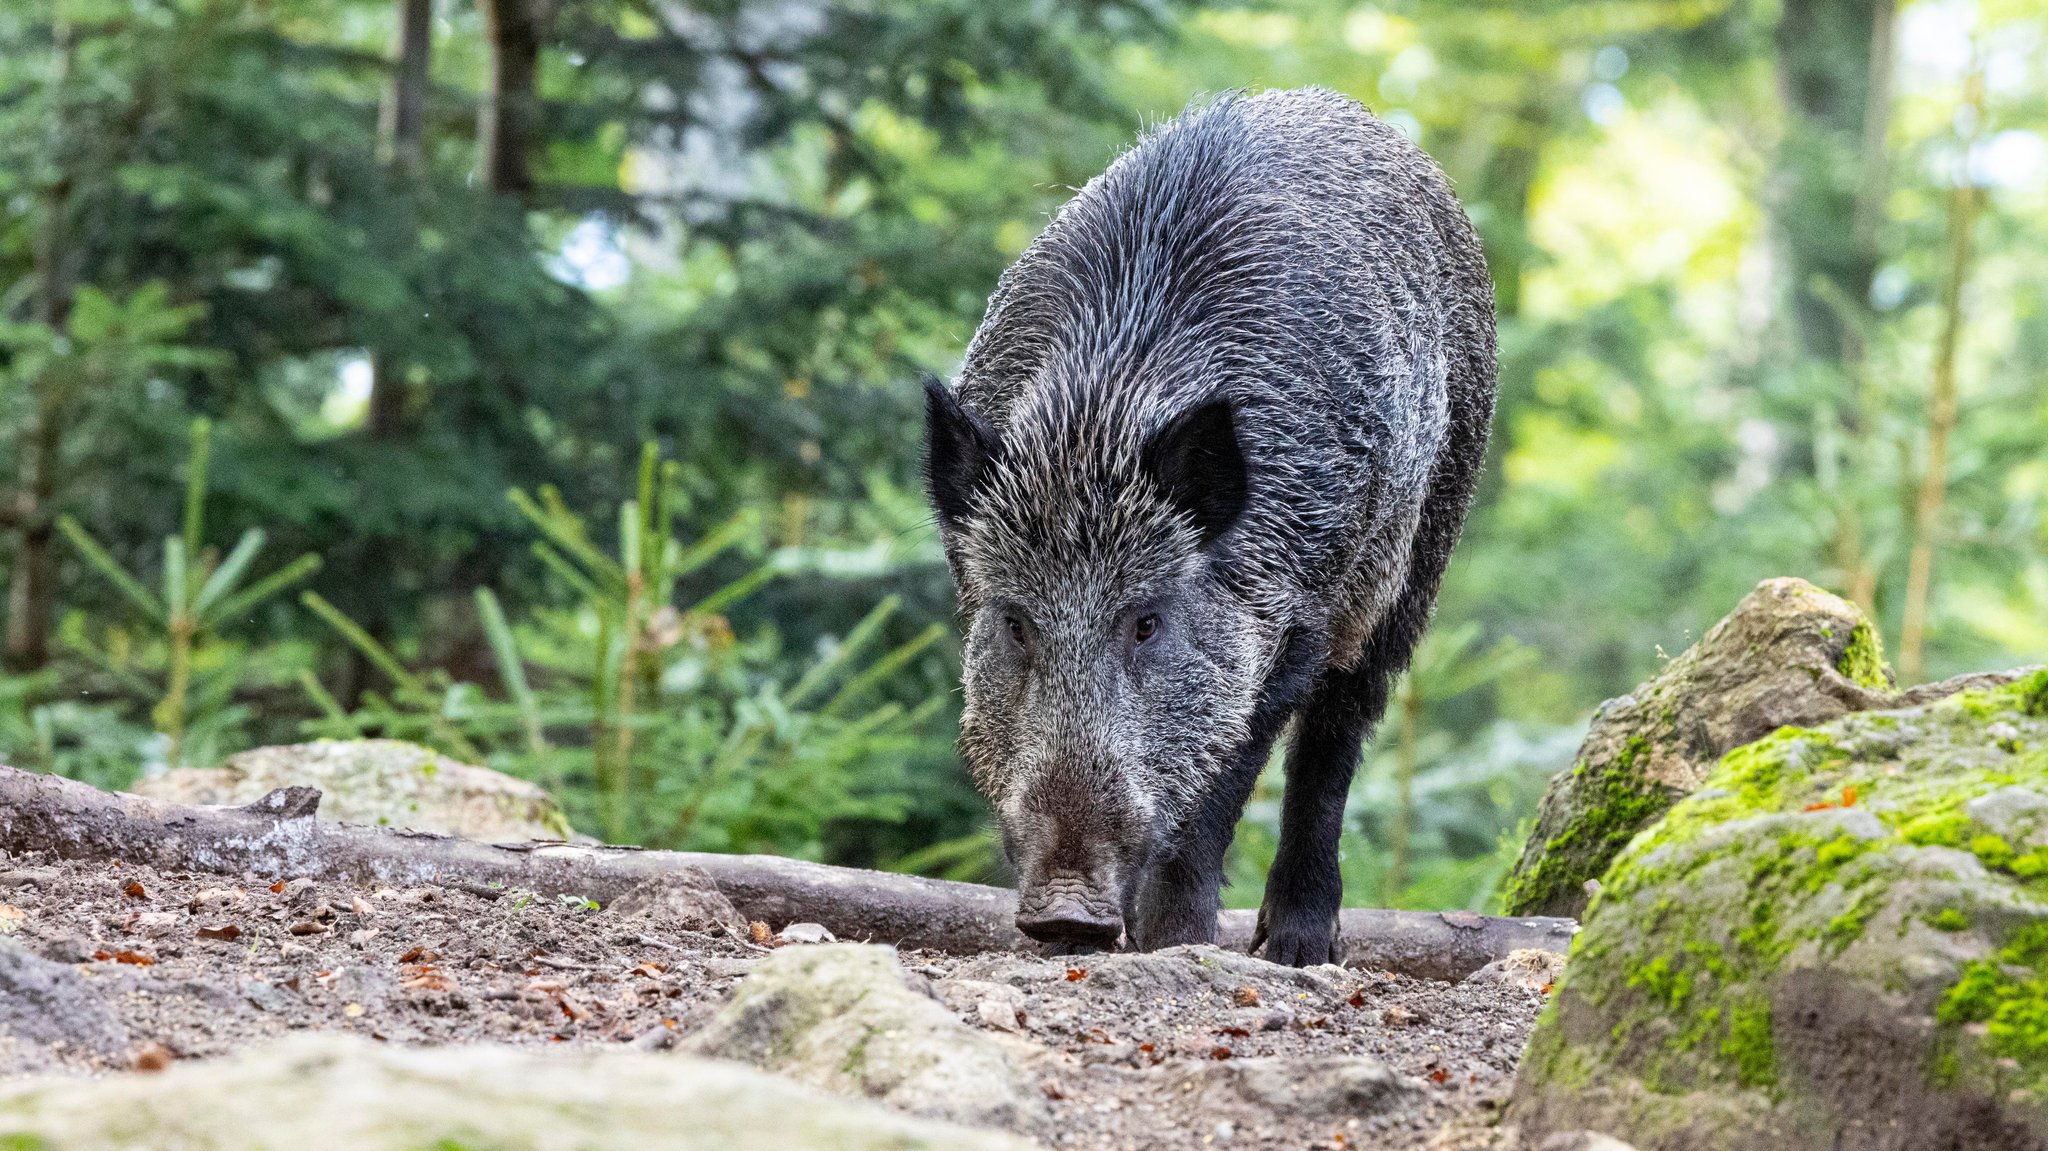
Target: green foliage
750	229
656	724
201	593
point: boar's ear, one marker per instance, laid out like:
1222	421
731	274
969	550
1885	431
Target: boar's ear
958	450
1196	461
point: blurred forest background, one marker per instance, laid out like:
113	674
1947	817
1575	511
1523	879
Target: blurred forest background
536	379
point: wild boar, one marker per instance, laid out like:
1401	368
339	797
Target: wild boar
1210	450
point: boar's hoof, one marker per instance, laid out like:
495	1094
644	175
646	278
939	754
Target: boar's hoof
1068	926
1295	940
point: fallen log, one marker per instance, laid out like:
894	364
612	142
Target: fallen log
277	837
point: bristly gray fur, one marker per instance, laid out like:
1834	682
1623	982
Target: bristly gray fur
1293	255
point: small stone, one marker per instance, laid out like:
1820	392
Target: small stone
806	933
1400	1016
1226	1131
67	949
998	1014
1527	967
153	1057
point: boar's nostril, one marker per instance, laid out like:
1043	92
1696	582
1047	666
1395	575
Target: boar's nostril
1068	922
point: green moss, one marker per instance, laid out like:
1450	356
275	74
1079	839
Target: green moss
857	1055
2034	693
23	1142
1610	805
1791	847
2008	995
1862	662
1992	850
1937	829
1749	1046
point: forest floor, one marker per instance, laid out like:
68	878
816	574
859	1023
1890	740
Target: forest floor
1136	1051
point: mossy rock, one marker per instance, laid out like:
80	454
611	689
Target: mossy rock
379	782
844	1017
1789	654
339	1091
1840	939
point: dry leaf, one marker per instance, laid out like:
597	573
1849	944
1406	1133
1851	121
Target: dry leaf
226	933
134	890
11	918
153	1057
135	958
426	978
277	888
1246	996
1076	974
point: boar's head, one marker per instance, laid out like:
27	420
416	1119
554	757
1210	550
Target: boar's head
1110	666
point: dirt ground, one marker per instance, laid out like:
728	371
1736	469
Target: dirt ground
1142	1052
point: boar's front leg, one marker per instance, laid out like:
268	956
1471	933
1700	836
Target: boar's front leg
1298	918
1179	899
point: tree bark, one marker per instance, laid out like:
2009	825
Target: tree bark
1827	77
1941	407
402	149
402	123
32	585
278	837
507	121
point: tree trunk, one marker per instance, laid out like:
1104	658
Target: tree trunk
32	585
402	149
278	837
1941	407
1859	571
507	122
1828	68
402	126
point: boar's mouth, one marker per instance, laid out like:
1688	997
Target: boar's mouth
1071	916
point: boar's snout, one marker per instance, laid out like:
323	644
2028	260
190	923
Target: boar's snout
1070	915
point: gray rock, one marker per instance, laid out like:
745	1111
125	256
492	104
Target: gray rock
341	1091
1583	1141
841	1016
49	1004
1789	655
1528	967
381	782
686	898
1831	943
1320	1087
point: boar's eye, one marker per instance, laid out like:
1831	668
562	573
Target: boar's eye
1016	629
1146	627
